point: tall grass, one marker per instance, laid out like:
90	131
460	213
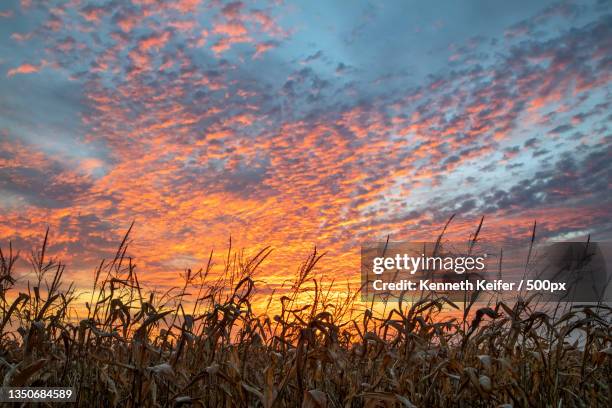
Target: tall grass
202	344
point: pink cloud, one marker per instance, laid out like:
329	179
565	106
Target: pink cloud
90	165
127	23
262	48
140	60
268	25
155	41
186	6
234	29
25	69
226	43
93	14
201	41
183	25
21	37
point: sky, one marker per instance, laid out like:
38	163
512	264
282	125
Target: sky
297	124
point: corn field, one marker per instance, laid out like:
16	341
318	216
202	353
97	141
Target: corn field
203	345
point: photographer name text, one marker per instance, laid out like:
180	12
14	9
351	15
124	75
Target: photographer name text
467	285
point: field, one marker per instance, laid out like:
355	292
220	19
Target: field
204	345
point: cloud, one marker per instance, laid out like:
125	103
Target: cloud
127	20
185	6
21	37
266	46
26	68
235	29
154	41
93	14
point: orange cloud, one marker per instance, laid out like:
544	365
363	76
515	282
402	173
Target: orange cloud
25	69
93	14
226	43
233	29
268	24
154	41
185	6
127	23
262	48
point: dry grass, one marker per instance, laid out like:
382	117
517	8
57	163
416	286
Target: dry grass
161	349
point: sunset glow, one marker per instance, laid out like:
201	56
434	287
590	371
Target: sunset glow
286	125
